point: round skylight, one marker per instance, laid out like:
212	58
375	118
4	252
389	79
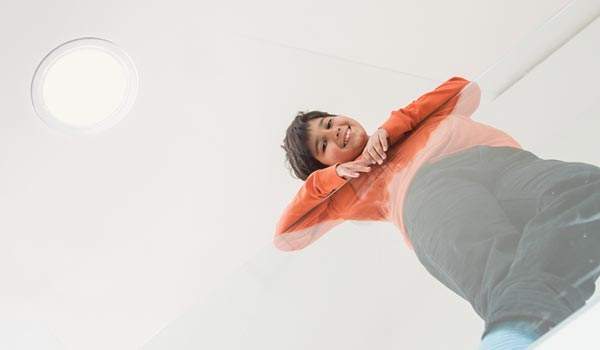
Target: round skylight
84	85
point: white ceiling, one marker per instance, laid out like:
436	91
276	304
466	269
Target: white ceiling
157	232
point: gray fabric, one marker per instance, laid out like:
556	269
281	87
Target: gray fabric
516	236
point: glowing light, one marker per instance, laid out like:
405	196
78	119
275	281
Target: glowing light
84	85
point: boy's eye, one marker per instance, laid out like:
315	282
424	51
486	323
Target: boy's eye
328	126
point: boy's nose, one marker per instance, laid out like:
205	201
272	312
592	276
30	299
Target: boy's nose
336	133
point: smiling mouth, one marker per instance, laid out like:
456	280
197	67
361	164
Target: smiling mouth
347	137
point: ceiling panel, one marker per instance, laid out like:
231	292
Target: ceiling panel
109	238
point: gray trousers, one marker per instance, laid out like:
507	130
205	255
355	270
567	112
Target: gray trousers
515	235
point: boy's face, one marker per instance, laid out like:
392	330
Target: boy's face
336	139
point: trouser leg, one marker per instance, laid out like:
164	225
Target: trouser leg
557	259
458	228
515	235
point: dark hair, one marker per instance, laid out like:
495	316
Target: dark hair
295	145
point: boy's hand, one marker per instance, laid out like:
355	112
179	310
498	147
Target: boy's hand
353	169
376	147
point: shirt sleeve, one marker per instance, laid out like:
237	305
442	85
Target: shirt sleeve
310	214
405	119
465	103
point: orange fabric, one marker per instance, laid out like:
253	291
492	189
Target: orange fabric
435	125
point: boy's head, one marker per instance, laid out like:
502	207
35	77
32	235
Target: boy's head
315	140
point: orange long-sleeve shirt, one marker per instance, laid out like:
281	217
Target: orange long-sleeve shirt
434	126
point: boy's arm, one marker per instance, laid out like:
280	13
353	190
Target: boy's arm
405	119
307	217
466	102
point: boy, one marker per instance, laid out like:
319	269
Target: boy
516	236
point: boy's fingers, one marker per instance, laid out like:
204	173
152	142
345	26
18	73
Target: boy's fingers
379	149
361	166
383	141
353	170
364	156
367	159
376	157
381	146
363	160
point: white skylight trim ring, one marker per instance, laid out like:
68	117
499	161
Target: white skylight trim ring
85	85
